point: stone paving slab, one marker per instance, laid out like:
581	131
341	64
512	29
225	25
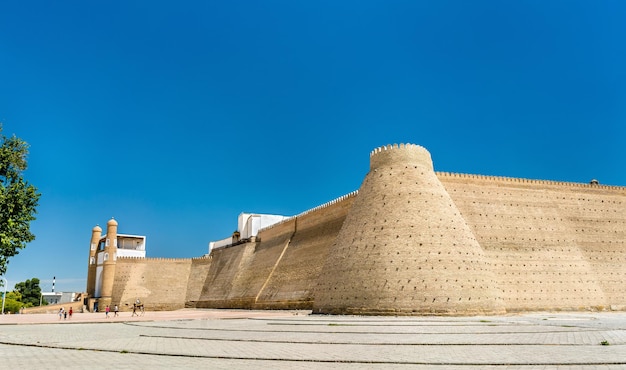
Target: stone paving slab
240	339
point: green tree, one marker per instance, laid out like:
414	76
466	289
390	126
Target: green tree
18	199
30	291
13	302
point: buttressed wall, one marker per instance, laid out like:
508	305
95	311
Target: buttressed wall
280	269
412	241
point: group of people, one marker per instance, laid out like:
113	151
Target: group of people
63	314
136	306
116	311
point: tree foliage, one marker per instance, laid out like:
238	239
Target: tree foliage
18	199
30	291
13	302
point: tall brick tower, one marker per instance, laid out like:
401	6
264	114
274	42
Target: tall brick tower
96	233
404	247
108	264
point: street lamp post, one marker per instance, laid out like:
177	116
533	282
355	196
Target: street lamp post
5	293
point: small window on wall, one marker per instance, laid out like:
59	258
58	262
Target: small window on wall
92	260
114	256
106	256
93	246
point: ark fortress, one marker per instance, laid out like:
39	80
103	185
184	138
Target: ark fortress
411	241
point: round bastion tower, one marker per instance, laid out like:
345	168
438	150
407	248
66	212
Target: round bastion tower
96	234
404	247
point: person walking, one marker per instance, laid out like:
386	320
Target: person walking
71	311
115	311
107	310
61	313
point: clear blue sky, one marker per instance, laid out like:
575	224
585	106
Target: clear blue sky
176	117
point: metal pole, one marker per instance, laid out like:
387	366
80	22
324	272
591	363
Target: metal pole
5	293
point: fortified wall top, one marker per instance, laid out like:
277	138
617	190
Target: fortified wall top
402	153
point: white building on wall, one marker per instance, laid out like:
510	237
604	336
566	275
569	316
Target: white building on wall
248	226
250	223
131	245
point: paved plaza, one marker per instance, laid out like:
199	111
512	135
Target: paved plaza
239	339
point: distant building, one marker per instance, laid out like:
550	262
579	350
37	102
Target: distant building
59	297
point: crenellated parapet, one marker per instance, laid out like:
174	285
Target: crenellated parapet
156	259
204	257
517	180
412	154
330	203
315	209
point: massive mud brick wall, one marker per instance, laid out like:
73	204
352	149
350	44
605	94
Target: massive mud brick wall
160	283
553	245
197	279
280	270
297	272
412	241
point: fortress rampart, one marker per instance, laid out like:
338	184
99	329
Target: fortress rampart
279	271
413	241
553	245
160	283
